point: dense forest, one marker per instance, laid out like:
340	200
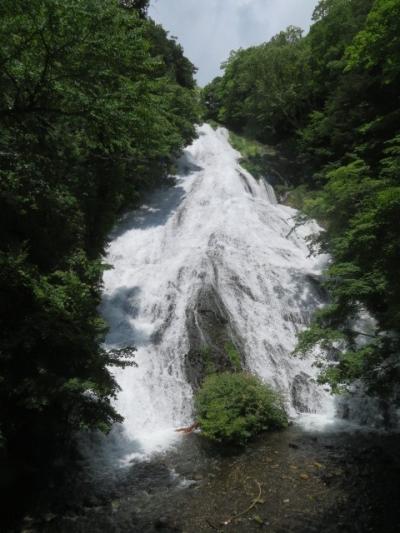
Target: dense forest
332	99
95	103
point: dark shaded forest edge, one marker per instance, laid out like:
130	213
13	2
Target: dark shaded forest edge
96	102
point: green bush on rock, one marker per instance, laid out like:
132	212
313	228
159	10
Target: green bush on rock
235	407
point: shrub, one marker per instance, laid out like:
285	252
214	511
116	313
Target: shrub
235	407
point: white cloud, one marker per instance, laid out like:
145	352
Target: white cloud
209	29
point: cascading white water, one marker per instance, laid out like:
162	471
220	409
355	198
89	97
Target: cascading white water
221	227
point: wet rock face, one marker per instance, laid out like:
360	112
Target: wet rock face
368	410
211	338
301	391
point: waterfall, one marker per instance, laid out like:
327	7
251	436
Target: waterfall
215	242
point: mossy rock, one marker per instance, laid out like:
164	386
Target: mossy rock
214	345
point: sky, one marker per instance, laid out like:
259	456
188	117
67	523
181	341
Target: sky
209	29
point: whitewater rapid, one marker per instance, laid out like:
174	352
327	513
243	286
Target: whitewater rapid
216	226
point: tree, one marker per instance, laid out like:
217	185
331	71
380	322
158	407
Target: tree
91	115
140	5
263	90
359	202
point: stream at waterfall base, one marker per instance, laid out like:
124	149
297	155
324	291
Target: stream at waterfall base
290	481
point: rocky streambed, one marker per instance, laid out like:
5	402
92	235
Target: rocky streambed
291	481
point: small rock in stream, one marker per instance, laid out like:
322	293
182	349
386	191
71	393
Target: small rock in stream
162	523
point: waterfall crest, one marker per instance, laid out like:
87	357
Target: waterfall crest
216	247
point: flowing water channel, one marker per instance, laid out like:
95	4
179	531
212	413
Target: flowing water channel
216	242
